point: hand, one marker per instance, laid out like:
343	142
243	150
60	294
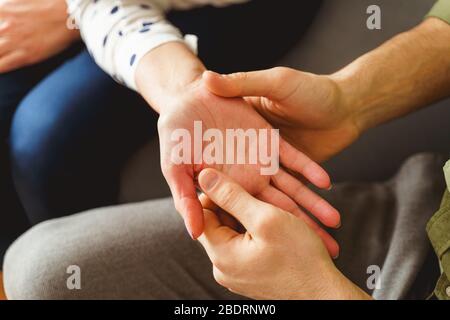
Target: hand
278	257
280	189
309	109
32	31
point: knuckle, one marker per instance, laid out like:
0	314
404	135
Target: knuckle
228	195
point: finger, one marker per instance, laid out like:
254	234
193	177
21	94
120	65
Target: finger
232	198
297	161
215	234
224	218
217	239
207	203
184	193
12	61
306	198
279	199
271	83
5	46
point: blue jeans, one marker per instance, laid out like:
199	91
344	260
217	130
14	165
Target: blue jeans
66	128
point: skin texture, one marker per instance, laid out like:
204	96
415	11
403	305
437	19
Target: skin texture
32	31
169	78
406	73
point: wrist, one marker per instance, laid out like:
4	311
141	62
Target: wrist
166	72
351	97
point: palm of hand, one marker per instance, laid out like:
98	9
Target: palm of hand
219	113
222	114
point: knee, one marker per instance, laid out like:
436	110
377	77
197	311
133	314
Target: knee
34	268
28	142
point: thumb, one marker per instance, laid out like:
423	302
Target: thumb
232	198
269	83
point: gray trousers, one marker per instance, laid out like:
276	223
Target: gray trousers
142	251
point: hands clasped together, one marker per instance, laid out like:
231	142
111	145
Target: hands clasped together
280	189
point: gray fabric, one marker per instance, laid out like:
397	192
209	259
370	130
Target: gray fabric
142	251
133	251
384	225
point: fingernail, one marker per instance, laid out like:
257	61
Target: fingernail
336	256
330	187
339	225
209	180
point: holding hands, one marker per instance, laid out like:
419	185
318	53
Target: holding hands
181	98
280	189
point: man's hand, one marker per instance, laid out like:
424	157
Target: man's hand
321	115
307	108
32	31
278	257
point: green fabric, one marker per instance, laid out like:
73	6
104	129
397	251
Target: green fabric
447	174
441	291
441	10
439	226
438	229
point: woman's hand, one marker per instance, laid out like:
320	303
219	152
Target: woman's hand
278	257
32	31
309	109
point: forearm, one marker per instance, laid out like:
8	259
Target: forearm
165	72
406	73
